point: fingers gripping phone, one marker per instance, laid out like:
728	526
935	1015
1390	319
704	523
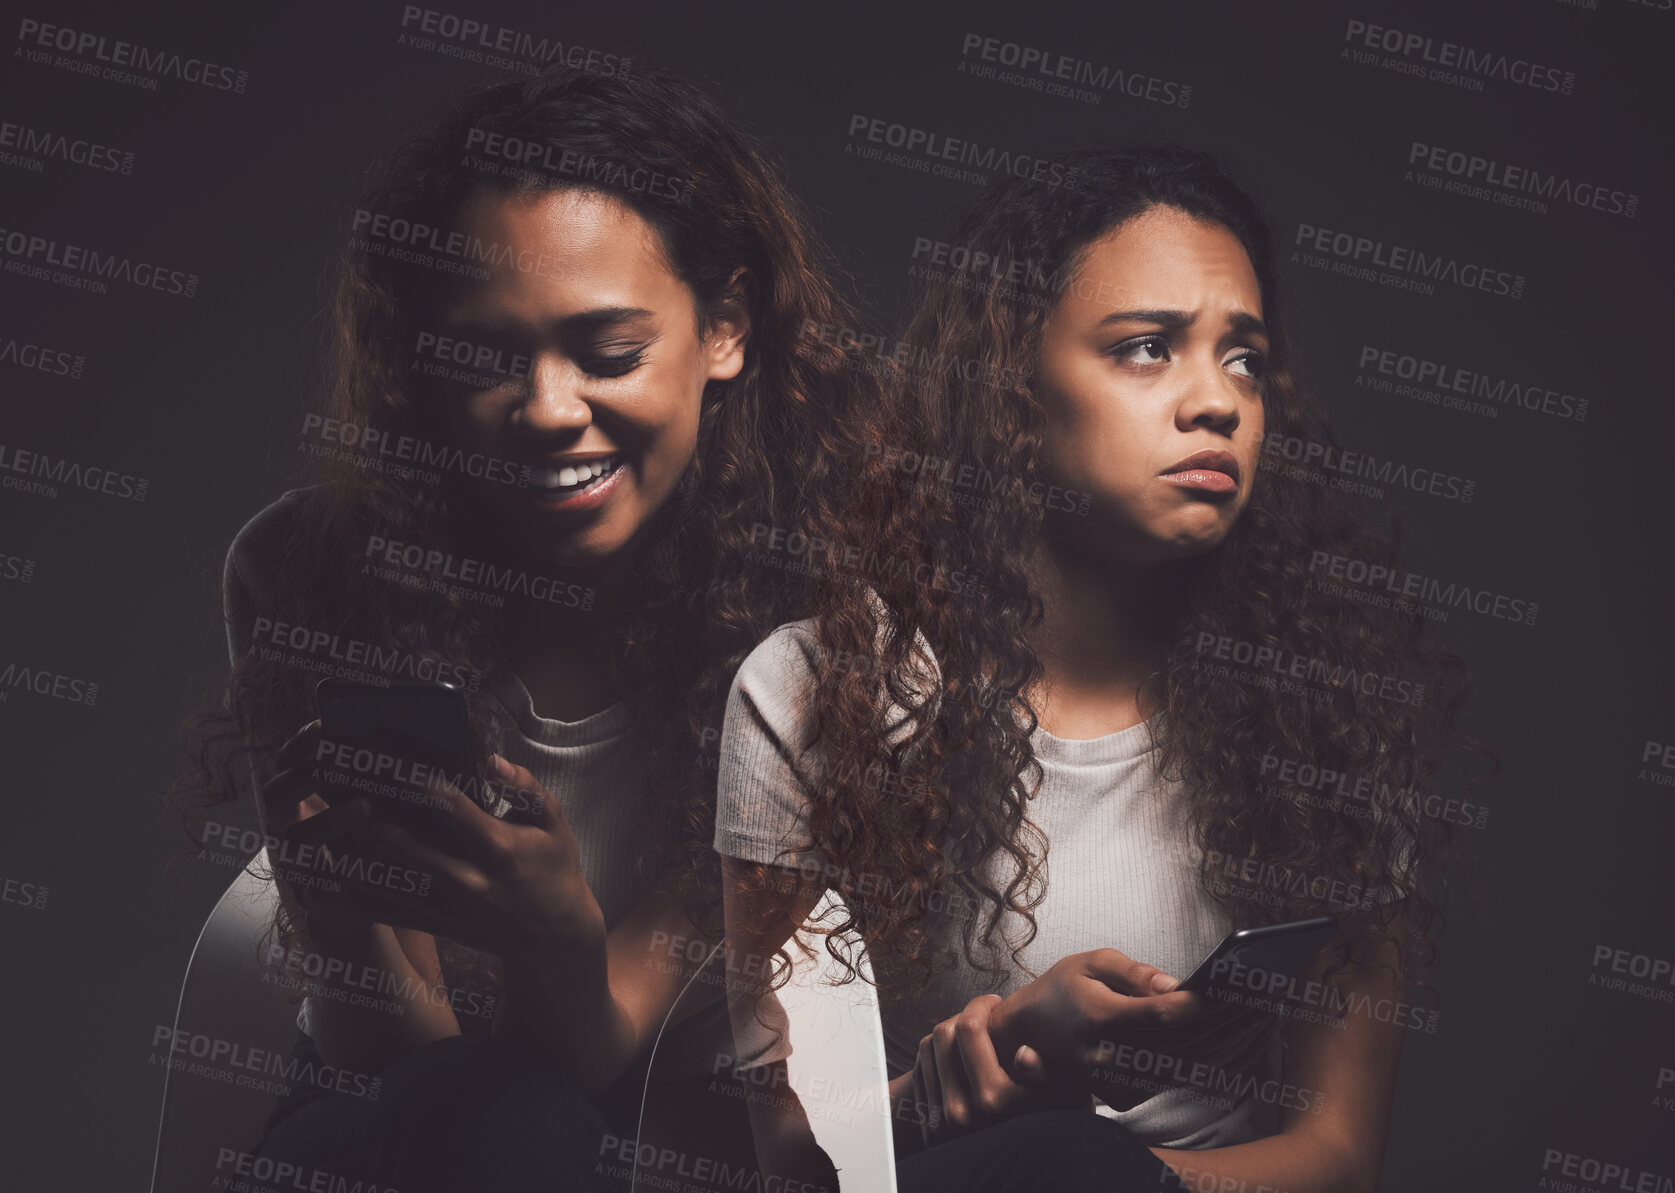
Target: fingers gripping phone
1257	962
389	740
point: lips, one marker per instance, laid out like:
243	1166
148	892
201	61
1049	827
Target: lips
1208	460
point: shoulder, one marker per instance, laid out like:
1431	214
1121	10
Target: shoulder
259	547
780	674
786	661
252	578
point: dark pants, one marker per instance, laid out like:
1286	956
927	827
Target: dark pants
1050	1151
475	1114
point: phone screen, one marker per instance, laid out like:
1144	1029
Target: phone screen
387	740
1260	962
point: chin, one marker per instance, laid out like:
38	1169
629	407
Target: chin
1187	546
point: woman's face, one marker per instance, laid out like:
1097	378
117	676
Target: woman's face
597	373
1150	360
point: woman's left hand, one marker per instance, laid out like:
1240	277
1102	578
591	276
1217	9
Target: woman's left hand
509	886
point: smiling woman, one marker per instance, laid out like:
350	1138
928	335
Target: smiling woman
561	401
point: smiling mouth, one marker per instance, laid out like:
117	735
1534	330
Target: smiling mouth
573	478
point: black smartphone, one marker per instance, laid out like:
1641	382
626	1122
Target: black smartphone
1257	962
389	740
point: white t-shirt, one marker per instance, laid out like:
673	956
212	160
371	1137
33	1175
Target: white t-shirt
1120	875
595	768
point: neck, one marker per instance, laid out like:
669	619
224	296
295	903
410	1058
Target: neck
1098	641
562	651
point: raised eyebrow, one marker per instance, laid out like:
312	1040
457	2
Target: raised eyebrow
1243	322
1171	319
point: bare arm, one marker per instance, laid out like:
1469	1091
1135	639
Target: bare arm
763	911
597	1009
1336	1143
407	973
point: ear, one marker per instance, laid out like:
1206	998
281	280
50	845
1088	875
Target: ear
729	329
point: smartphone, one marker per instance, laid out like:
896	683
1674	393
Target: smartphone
378	739
1254	962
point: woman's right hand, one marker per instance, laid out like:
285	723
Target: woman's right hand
1079	1021
959	1085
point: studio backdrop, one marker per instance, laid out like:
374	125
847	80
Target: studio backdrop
1473	206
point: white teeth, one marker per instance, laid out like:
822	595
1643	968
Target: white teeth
569	477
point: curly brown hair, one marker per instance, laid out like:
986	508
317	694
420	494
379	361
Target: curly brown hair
961	778
767	440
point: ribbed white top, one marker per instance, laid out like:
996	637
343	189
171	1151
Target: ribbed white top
1120	871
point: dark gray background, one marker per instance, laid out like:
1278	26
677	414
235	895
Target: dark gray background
204	397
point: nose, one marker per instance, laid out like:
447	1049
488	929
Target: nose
553	403
1209	398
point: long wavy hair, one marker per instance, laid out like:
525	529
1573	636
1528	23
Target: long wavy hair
766	440
935	816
